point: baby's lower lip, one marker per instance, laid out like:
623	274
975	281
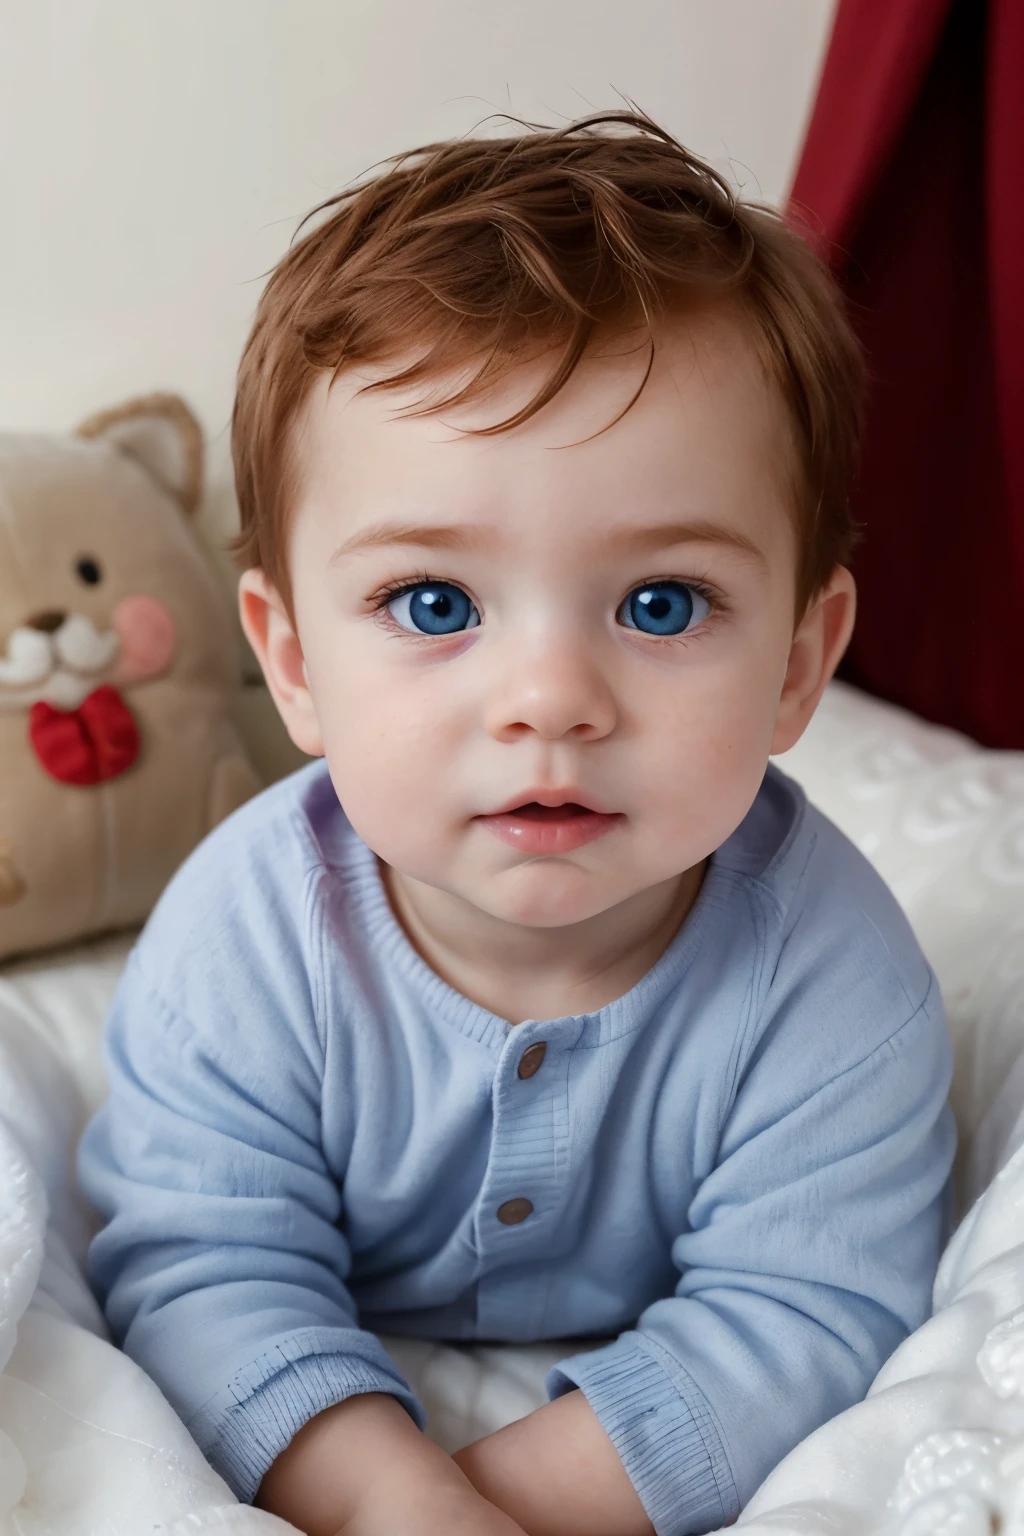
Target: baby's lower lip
543	829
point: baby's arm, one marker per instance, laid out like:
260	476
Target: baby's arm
362	1468
223	1265
809	1255
557	1473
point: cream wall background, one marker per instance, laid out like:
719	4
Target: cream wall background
157	154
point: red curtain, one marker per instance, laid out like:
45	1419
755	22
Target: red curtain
912	176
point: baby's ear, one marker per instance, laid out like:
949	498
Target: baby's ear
820	639
269	631
163	436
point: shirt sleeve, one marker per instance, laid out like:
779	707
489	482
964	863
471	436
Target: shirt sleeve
809	1256
222	1268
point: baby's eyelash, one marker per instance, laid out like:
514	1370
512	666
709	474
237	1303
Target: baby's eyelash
393	589
711	595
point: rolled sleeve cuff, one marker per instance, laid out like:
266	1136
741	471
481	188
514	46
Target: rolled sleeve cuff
661	1427
243	1430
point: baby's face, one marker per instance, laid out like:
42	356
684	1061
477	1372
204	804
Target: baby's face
547	673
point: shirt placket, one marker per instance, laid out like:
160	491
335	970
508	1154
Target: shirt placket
525	1185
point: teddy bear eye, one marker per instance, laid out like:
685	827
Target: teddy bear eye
89	570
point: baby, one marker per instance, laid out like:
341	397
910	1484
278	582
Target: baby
539	1006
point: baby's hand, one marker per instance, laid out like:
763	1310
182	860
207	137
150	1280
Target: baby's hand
413	1506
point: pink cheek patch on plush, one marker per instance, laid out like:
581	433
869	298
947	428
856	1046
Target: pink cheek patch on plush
146	632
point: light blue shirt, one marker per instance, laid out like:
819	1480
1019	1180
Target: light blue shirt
737	1171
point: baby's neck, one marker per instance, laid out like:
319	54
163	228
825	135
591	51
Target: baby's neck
521	973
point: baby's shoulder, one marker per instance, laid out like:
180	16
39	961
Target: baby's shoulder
840	957
244	902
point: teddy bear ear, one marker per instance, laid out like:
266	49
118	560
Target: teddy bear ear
161	433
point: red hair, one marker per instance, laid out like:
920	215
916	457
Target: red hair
484	252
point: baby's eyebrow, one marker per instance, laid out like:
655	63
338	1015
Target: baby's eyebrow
663	535
469	537
427	535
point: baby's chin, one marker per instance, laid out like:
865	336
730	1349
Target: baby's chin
544	893
546	908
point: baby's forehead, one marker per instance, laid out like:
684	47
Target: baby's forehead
662	393
703	444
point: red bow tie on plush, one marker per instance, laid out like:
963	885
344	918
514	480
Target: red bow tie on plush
98	740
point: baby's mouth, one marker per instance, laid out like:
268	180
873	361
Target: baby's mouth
537	829
534	811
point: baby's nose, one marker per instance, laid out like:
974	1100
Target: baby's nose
49	620
555	692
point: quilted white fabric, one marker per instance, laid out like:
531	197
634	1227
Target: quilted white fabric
88	1444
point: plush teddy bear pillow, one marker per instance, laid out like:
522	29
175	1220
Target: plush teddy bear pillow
118	662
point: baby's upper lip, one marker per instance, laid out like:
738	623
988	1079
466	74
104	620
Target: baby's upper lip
567	795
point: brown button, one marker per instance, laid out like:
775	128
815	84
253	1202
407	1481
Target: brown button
514	1211
530	1060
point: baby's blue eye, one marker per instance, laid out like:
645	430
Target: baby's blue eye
664	608
434	608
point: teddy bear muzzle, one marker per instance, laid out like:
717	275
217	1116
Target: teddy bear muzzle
56	657
68	673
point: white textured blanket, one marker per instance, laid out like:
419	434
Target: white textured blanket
88	1446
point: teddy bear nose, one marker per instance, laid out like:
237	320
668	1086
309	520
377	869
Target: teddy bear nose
48	619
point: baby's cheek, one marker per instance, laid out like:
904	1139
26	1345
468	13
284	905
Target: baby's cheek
391	774
386	809
146	632
716	761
